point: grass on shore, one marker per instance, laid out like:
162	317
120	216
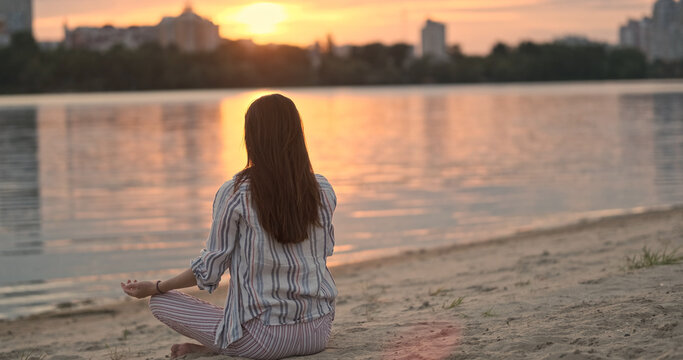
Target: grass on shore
453	303
648	258
489	313
31	356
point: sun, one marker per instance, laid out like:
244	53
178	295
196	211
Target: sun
262	17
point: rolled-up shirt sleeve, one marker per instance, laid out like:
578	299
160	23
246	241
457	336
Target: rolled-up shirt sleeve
215	258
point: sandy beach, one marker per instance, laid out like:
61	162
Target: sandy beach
547	294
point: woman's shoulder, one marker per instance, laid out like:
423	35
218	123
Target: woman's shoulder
227	197
322	180
238	183
231	188
324	184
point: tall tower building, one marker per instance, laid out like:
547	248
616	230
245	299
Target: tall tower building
434	40
660	36
678	32
663	21
664	12
629	34
16	16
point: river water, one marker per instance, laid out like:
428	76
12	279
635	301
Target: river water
96	188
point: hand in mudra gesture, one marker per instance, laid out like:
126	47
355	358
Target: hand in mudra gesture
139	289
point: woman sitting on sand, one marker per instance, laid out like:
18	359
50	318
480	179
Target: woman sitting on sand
272	228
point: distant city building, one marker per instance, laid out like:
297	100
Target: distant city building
189	32
18	15
342	51
575	40
315	55
434	40
660	37
630	35
15	16
106	37
4	34
247	45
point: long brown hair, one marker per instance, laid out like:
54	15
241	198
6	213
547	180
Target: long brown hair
283	186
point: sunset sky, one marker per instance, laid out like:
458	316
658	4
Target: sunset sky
474	24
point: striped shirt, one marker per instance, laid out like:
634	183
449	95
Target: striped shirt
276	283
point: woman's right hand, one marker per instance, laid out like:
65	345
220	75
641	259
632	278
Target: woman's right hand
140	290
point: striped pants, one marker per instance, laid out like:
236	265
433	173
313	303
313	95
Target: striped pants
198	319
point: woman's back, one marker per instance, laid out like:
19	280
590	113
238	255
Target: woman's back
274	282
272	229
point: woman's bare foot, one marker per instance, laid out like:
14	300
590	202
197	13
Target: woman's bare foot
187	348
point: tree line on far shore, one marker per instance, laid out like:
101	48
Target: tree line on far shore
26	68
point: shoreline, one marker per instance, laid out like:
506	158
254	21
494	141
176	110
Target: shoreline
9	100
544	293
625	214
88	304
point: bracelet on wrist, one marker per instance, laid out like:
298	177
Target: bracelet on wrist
158	289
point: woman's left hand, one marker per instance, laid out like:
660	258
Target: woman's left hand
139	289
